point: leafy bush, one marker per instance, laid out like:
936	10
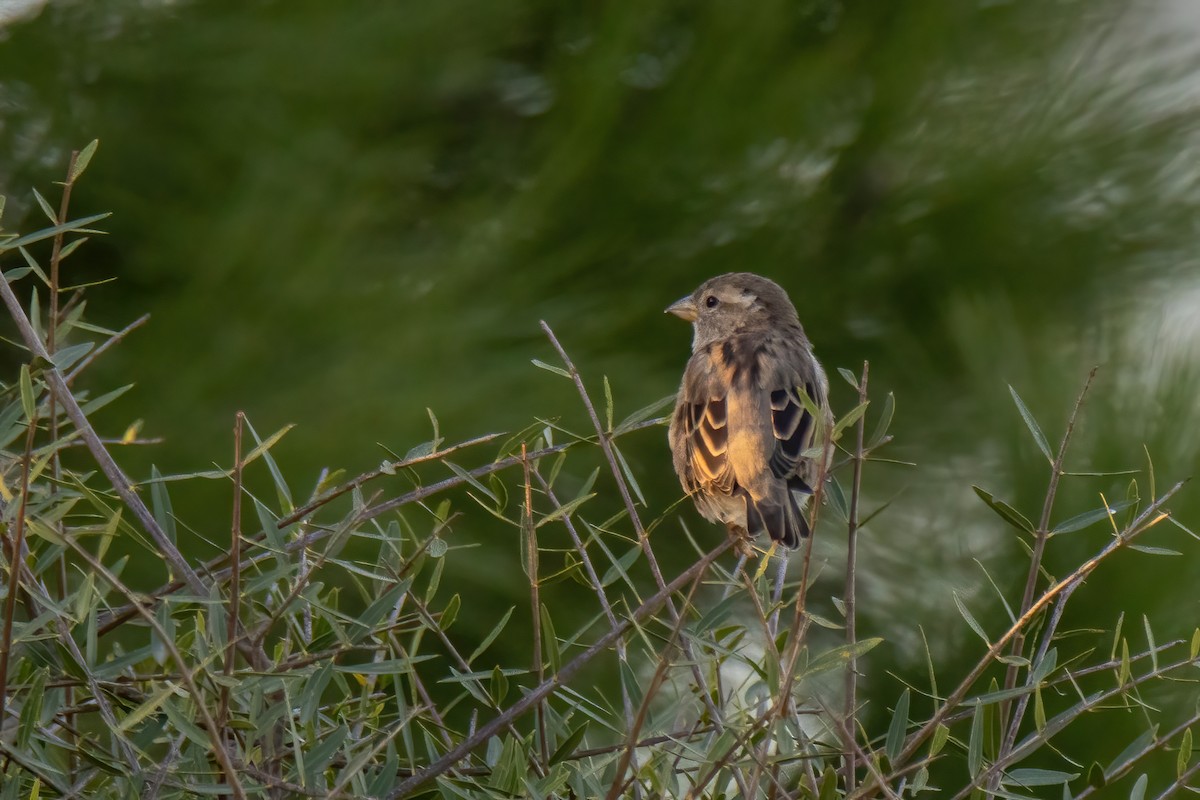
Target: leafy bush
319	655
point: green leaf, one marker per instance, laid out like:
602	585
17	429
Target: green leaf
1185	753
1194	650
550	640
941	734
1039	710
1153	648
1139	788
564	750
975	745
1045	666
975	626
491	637
849	377
82	160
1154	551
629	478
839	656
565	509
391	666
899	726
851	417
645	413
263	450
551	368
829	784
450	612
67	357
621	566
608	404
50	233
1038	436
160	500
884	423
47	209
1134	751
28	404
1039	777
1006	512
1088	518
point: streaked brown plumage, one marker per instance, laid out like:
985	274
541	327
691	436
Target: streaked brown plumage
739	430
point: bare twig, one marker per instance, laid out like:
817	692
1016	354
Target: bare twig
104	346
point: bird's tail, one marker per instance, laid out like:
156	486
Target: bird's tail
782	517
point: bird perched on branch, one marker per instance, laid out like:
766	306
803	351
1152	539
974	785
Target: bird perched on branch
740	429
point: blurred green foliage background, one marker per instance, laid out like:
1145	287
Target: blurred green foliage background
340	214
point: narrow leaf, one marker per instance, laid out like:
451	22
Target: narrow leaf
1036	430
899	726
1139	788
975	745
82	160
573	740
491	637
1005	511
551	368
966	615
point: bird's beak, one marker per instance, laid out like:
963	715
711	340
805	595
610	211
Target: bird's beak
684	308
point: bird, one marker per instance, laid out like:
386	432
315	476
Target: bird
740	430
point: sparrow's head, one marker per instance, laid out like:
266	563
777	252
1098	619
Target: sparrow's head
737	302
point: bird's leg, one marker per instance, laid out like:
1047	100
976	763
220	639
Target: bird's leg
741	541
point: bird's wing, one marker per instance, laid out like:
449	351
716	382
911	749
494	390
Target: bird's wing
791	423
701	425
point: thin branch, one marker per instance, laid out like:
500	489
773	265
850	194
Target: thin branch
104	346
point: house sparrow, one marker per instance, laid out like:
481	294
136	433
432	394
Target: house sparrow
739	430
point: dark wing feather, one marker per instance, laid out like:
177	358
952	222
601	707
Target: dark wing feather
793	429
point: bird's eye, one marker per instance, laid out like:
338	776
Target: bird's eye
711	301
